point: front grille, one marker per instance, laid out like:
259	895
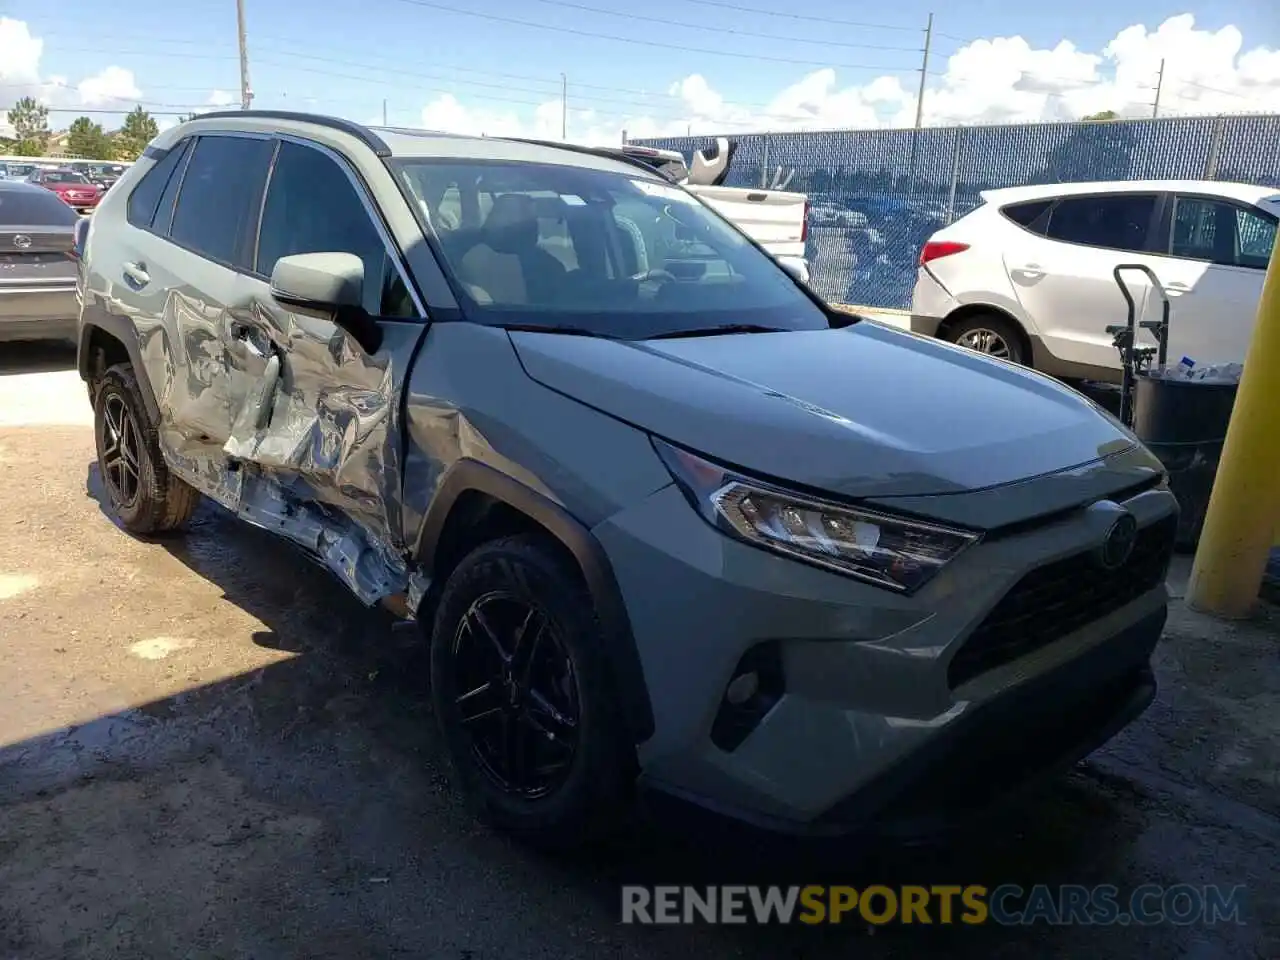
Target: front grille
1059	598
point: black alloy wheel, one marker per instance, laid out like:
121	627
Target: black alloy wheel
517	695
121	446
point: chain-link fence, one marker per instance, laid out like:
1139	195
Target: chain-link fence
877	195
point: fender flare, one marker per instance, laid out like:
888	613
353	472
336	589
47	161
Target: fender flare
124	332
621	652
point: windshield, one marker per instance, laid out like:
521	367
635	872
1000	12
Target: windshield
63	176
611	254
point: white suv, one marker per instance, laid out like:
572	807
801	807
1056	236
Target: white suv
1028	274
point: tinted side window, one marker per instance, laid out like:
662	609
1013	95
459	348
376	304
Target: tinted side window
1220	232
145	196
163	218
1255	237
312	207
221	193
1027	214
1202	230
1119	222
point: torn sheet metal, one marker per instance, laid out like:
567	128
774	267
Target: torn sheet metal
249	427
315	438
368	568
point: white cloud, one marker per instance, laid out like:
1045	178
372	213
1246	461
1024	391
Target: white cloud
20	53
220	98
109	89
996	80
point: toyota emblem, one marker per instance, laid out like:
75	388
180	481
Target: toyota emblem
22	241
1118	543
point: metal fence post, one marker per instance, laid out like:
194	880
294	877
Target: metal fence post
956	152
764	163
1215	148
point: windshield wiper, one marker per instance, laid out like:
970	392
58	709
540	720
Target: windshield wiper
568	330
715	331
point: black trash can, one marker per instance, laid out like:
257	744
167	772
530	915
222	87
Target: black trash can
1184	423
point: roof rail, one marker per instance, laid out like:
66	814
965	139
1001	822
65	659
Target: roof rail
613	153
360	132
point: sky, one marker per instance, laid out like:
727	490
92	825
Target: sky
662	68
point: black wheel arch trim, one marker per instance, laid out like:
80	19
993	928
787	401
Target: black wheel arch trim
121	330
620	646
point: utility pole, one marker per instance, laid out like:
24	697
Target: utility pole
564	107
924	70
384	111
924	77
1155	107
246	94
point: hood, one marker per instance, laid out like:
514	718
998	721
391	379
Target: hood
859	412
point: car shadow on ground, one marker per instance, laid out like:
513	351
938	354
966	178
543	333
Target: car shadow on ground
36	357
341	735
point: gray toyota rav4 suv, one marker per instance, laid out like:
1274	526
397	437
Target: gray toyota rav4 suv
667	520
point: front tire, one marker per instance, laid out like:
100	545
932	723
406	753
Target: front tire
143	494
523	697
990	334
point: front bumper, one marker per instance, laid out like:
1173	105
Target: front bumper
873	720
82	205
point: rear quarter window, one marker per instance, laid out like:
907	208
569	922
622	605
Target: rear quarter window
146	195
1031	214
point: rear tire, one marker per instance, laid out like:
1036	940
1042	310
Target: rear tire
990	334
142	493
564	706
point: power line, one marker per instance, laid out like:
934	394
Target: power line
644	43
1205	86
667	22
417	75
637	109
801	16
86	108
550	81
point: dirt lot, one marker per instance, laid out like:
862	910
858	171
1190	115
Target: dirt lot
208	750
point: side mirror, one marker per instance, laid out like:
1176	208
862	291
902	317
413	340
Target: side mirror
320	281
329	283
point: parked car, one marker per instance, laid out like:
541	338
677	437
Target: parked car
1027	275
74	189
101	172
37	265
666	520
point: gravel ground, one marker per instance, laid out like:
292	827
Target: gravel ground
208	750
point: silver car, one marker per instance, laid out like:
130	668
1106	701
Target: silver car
37	264
666	520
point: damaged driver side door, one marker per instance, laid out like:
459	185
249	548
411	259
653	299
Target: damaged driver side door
316	433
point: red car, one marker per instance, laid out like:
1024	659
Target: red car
73	188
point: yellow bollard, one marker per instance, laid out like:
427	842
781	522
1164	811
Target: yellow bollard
1239	528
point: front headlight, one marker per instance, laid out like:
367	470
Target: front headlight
893	552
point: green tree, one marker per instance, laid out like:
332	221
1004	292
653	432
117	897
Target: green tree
1103	115
139	129
85	139
30	121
